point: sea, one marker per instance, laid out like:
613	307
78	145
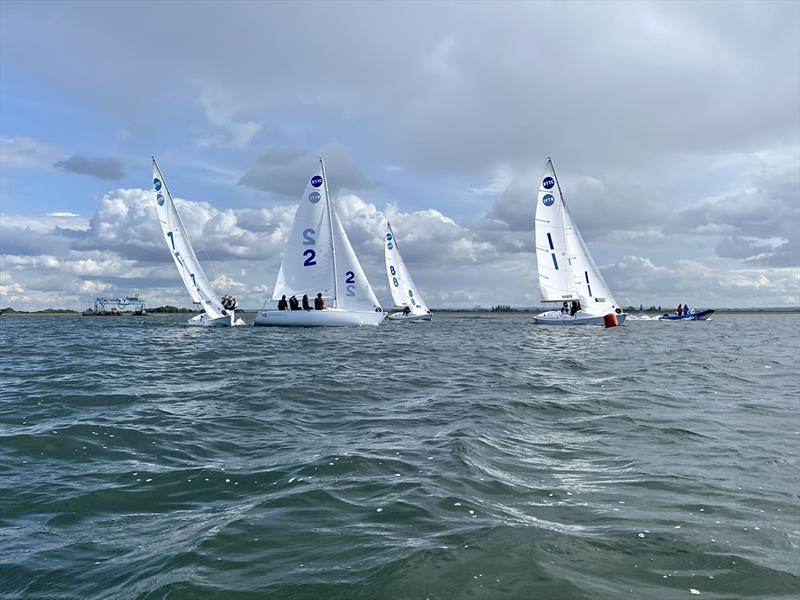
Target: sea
478	456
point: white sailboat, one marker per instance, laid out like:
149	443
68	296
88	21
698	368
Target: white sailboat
216	313
319	259
567	272
404	292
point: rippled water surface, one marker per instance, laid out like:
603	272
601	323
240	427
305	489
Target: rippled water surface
471	457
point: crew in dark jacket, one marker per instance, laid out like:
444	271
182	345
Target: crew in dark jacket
282	304
319	303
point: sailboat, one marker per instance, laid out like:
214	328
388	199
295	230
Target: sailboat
404	292
567	273
319	259
216	312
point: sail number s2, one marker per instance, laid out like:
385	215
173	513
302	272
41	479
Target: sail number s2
309	240
350	281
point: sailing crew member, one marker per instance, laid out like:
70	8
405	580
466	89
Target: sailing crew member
282	304
685	308
306	306
564	308
293	303
319	303
575	308
679	310
406	310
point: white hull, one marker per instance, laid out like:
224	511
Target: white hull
329	317
556	317
203	320
399	316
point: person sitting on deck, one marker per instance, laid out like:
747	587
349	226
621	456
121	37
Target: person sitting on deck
293	303
319	303
574	308
685	309
282	304
564	308
679	310
306	306
406	311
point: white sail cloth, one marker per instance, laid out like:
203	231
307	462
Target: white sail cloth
401	285
192	274
319	257
566	269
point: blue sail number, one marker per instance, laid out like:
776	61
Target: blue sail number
350	280
310	256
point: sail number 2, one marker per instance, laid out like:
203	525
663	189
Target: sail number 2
308	240
350	280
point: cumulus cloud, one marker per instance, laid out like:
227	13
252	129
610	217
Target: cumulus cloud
106	168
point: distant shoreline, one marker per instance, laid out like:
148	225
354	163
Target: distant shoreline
719	311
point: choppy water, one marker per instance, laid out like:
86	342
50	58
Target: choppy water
471	457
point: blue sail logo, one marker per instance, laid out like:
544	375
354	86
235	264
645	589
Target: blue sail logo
548	183
548	199
390	245
314	197
157	184
388	237
160	199
316	180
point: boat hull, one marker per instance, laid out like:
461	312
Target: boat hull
399	316
555	317
697	316
329	317
203	320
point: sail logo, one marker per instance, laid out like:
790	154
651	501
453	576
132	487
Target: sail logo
390	245
314	197
157	184
160	199
548	183
316	180
548	199
388	237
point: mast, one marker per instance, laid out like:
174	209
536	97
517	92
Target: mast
330	226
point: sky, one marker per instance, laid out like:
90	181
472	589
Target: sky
674	128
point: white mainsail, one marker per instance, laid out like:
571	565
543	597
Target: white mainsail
404	292
552	254
192	274
566	269
308	262
319	257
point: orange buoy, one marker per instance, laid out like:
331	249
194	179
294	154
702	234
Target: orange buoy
611	320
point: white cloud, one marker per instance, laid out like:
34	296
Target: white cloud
24	152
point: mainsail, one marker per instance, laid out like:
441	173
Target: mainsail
308	263
404	292
318	256
566	269
192	274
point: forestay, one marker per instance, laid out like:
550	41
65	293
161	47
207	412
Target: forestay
307	266
556	282
404	292
192	274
